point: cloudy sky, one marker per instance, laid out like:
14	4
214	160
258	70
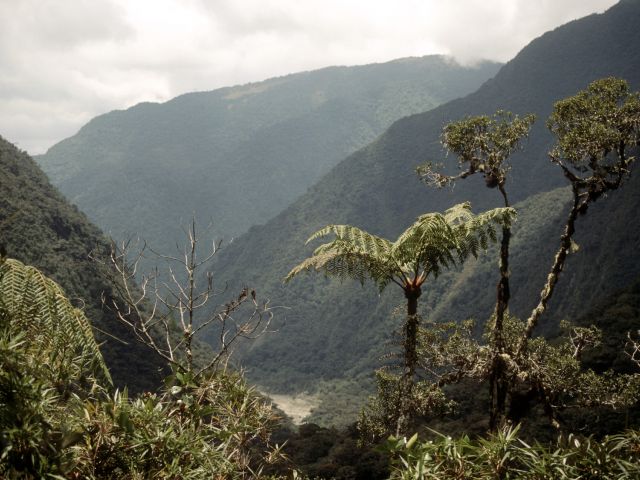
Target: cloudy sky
63	62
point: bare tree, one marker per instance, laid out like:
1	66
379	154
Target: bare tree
168	308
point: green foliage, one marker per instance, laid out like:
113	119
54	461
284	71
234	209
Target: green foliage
57	420
56	330
483	145
598	121
39	227
373	190
550	372
383	411
595	129
503	455
321	452
49	363
35	428
548	380
189	431
433	242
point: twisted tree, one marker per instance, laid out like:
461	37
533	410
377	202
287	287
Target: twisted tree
596	132
483	145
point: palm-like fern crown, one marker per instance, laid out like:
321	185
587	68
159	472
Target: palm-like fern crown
433	242
61	333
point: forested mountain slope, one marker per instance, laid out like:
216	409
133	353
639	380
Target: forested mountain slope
239	155
333	330
39	227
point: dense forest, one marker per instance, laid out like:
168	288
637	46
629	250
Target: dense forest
244	152
477	312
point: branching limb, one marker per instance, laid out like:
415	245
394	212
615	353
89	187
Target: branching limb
632	349
167	315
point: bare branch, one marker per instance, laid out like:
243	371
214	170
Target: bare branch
151	308
632	348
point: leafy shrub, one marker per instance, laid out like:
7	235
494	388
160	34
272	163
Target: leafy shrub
503	456
189	431
59	420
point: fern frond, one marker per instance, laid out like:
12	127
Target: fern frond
479	230
429	240
38	307
459	214
354	253
354	238
433	242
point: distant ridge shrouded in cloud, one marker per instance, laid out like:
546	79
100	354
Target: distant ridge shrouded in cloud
63	63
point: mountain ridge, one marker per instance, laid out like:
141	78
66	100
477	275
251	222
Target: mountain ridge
239	154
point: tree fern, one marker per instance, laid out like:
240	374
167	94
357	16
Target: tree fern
354	253
52	325
434	241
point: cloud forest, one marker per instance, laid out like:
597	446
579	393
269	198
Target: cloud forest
415	269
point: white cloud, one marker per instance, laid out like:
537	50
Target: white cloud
64	62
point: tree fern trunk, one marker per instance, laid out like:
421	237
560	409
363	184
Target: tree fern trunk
410	360
411	334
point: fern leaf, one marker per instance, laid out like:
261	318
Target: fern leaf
39	308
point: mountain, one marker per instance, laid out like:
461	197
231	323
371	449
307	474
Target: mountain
334	332
39	227
239	155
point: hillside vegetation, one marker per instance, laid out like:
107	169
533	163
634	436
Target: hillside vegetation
237	156
511	348
39	227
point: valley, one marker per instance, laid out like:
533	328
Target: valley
293	354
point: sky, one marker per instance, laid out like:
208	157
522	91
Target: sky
63	62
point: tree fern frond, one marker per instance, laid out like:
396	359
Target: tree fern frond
433	242
354	238
353	253
430	240
459	214
480	230
39	307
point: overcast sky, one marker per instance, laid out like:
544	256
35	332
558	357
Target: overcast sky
63	62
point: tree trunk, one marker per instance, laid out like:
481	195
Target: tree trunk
498	383
411	333
556	268
412	293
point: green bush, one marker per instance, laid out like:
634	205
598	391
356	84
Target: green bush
218	427
62	422
504	456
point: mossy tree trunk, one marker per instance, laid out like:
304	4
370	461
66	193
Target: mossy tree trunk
498	381
410	341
